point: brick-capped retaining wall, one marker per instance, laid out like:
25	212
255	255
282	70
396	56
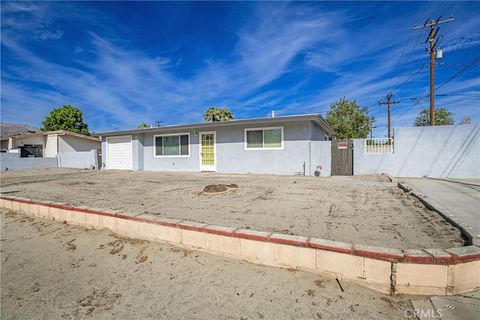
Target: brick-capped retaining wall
420	271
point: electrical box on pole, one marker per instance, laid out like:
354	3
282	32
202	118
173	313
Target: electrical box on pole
432	39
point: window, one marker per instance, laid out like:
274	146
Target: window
264	138
172	145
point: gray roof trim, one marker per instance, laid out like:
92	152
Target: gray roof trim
208	125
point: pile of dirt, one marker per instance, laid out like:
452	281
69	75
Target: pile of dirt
212	188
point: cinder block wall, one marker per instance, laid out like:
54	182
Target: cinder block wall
439	152
80	160
12	161
321	155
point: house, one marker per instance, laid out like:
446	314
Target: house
278	145
4	144
48	144
8	130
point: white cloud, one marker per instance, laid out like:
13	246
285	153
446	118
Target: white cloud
468	41
119	87
45	34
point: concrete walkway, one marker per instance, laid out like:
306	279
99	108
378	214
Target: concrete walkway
459	199
461	307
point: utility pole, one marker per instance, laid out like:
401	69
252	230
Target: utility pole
388	103
433	25
372	127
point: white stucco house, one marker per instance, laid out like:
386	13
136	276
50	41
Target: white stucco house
49	144
296	144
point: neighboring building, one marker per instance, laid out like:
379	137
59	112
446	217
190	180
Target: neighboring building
278	145
11	130
4	144
48	144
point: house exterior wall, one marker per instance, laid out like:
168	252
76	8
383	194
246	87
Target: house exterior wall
104	152
304	149
67	143
51	146
316	133
37	139
138	152
440	151
231	156
4	144
190	163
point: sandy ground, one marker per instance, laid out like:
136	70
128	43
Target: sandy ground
369	210
51	270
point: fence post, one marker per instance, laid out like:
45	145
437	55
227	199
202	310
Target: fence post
95	158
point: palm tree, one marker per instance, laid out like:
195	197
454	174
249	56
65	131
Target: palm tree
215	114
143	126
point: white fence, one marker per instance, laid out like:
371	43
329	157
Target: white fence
12	161
378	146
80	160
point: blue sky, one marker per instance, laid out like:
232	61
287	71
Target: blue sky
124	63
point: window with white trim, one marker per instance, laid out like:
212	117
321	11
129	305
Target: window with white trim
172	145
264	138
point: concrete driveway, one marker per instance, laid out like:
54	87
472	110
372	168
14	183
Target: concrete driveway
459	199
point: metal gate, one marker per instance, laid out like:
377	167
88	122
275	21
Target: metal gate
342	157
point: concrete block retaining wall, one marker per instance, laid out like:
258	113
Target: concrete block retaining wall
424	272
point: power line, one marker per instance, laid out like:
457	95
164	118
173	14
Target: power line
467	66
466	82
449	64
412	76
432	40
407	60
477	59
416	41
388	103
400	59
399	63
458	94
401	115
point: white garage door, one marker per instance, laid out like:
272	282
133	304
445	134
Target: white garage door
119	152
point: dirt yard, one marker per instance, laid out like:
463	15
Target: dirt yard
51	270
369	210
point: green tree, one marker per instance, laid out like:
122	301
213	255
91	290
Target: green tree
67	118
143	125
466	120
443	117
215	114
349	120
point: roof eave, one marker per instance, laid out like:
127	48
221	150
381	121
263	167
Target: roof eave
307	117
